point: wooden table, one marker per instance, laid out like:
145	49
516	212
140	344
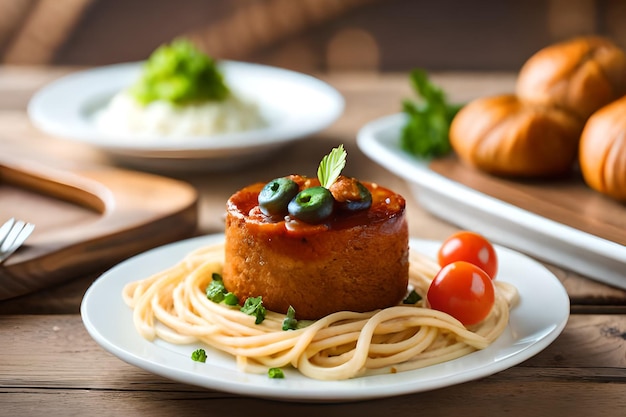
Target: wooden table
50	366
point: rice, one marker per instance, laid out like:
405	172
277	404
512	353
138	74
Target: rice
124	115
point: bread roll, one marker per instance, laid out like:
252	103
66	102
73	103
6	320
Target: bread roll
580	75
603	150
506	136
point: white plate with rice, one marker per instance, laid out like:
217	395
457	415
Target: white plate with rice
272	107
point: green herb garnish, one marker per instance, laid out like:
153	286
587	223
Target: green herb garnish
425	133
216	291
254	307
181	74
230	299
290	322
412	298
199	355
275	373
331	166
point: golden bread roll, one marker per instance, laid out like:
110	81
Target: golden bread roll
506	136
602	153
580	75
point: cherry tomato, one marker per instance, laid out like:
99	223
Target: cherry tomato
469	247
462	290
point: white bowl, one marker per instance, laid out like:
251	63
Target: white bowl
295	106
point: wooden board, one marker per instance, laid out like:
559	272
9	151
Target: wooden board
86	220
567	201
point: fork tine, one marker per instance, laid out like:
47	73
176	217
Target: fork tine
23	235
15	238
4	230
12	236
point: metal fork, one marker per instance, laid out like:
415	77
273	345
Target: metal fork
13	233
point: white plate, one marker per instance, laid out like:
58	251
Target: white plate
294	104
534	323
500	221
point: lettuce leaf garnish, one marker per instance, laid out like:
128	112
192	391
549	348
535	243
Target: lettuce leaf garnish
180	74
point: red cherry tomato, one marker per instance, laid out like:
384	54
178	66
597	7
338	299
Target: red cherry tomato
469	247
462	290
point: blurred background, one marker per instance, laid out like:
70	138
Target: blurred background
305	35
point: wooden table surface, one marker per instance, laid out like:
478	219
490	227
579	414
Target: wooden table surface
50	366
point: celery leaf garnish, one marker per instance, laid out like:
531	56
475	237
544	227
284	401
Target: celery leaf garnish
331	166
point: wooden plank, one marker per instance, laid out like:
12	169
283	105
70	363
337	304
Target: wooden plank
485	398
45	29
45	355
600	354
568	200
12	13
86	219
257	25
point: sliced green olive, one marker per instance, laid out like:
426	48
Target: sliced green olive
362	203
312	205
275	196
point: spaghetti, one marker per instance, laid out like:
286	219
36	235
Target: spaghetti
172	305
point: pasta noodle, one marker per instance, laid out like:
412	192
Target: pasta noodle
172	305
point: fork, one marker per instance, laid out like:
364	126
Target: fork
13	233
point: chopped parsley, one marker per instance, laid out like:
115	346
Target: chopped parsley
254	307
230	299
412	298
275	373
425	133
216	291
290	322
199	355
